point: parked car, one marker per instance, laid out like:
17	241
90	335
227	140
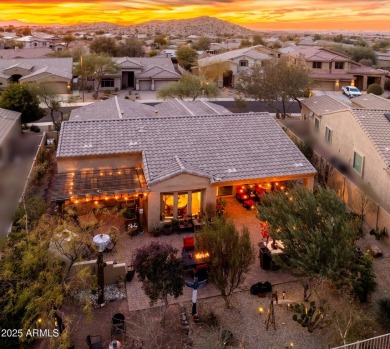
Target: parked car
351	91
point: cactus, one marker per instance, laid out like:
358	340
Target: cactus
311	317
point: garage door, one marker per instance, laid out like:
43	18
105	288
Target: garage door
145	85
160	83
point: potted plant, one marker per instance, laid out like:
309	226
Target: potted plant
168	228
156	230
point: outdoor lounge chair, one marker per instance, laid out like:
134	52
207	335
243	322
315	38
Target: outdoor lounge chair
94	342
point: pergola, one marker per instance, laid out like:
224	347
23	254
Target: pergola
107	184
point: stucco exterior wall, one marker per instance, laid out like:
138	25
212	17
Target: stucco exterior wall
180	183
347	137
99	162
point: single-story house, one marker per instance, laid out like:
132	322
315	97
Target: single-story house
54	71
10	131
119	108
358	137
141	73
235	62
173	166
331	70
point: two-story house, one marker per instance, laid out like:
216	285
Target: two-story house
331	71
234	62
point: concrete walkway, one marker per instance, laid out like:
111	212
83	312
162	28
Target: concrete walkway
137	300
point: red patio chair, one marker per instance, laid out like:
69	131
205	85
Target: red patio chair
188	243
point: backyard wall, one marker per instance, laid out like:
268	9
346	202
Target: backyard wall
112	272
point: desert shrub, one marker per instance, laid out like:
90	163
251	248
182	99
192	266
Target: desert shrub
375	89
107	92
384	312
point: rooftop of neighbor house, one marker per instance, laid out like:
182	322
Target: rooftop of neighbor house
371	101
376	124
120	108
221	147
25	53
252	52
320	54
8	118
321	105
55	66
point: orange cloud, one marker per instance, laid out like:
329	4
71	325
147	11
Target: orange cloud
256	14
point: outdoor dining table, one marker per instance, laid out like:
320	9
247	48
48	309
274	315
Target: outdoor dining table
102	240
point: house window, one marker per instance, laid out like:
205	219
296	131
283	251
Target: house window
179	205
167	203
196	202
328	135
358	162
339	65
243	63
108	83
317	65
316	124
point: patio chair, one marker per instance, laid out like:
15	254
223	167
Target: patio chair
188	244
118	324
95	342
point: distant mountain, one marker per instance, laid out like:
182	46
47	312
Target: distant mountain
193	26
16	24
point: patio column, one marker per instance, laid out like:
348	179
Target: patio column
309	183
382	81
364	82
152	85
137	85
175	202
189	203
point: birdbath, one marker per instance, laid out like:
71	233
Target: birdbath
101	240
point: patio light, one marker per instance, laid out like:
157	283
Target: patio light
261	310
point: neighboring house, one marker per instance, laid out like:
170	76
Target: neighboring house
118	108
10	132
33	42
25	53
173	166
55	71
141	73
358	137
331	71
371	101
236	61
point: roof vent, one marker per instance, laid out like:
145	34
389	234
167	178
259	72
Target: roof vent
298	164
387	115
87	145
131	143
155	111
387	148
231	170
141	129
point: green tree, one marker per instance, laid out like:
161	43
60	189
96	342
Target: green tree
189	86
317	232
186	56
20	98
278	80
358	53
202	44
245	43
160	40
231	254
104	46
375	89
68	38
132	47
159	271
96	66
257	40
51	99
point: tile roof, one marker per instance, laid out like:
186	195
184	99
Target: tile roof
176	107
331	76
320	54
112	108
8	118
227	147
56	66
371	101
252	52
120	108
377	127
324	104
358	68
145	62
158	72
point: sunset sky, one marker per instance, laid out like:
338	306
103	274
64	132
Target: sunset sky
254	14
